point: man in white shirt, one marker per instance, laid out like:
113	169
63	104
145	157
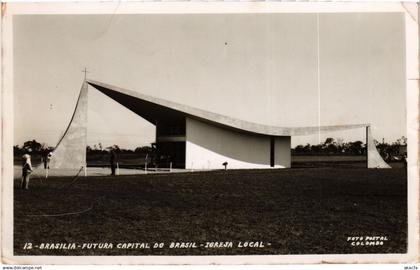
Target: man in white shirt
26	170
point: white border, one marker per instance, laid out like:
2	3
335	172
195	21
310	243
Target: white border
412	89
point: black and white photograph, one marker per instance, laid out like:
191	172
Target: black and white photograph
218	135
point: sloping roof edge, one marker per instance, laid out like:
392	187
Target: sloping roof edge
227	121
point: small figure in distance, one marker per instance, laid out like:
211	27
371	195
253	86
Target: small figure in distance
225	164
46	158
404	158
113	161
26	169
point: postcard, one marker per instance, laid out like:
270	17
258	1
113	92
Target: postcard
210	133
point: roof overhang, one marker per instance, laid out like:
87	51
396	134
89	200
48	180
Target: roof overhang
156	109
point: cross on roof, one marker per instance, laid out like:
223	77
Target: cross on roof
85	71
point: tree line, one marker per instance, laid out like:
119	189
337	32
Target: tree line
338	147
37	148
329	147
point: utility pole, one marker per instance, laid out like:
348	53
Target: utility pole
367	146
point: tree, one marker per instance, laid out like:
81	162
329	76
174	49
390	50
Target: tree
356	147
329	141
16	150
143	149
115	147
402	141
332	148
33	145
300	149
307	148
315	149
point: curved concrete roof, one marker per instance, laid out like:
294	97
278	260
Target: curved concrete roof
157	107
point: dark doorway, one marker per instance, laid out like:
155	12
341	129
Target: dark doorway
272	148
170	152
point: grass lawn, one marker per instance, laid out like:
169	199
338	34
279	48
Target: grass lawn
292	211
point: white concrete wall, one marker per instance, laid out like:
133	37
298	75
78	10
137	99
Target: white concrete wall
208	146
283	154
71	150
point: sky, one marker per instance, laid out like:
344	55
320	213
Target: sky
274	69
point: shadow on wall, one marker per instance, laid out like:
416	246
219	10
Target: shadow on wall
220	145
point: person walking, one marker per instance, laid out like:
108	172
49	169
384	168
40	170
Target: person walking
26	170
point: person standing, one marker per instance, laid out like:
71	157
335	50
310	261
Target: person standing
113	161
26	170
46	158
